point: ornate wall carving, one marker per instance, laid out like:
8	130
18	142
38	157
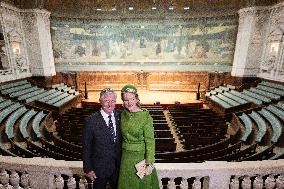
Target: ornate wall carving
28	46
259	49
248	46
16	64
271	66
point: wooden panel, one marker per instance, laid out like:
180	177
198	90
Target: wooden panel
98	80
165	81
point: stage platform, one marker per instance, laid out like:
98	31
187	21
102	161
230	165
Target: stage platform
152	97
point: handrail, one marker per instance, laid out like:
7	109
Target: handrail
47	172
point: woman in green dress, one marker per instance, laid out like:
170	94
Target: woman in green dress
138	143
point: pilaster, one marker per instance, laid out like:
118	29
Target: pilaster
37	31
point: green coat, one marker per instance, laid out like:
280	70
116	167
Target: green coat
138	143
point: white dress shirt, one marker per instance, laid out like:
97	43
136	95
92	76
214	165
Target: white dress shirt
105	116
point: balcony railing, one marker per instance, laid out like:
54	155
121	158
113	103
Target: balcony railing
47	173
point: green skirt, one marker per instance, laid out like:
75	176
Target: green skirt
127	174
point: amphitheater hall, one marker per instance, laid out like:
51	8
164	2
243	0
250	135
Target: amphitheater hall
210	72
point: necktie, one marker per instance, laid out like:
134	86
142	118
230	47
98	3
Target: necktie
111	128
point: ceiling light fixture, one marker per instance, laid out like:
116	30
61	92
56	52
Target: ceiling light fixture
99	8
186	5
113	8
154	7
131	8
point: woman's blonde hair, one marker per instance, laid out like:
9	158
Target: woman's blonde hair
130	89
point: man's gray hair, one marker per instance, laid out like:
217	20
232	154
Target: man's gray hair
106	91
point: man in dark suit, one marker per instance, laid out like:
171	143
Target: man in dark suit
102	143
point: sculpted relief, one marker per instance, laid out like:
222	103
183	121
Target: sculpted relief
13	54
271	64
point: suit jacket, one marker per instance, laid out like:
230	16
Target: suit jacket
100	153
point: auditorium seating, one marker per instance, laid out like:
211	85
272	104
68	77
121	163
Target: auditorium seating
24	123
264	152
24	92
5	103
9	109
9	127
72	121
225	100
31	97
275	124
197	126
246	97
163	137
265	93
270	89
202	133
36	123
273	85
260	122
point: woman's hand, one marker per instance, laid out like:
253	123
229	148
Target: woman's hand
149	168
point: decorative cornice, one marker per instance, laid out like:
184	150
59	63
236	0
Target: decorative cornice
108	15
277	6
37	11
10	7
252	11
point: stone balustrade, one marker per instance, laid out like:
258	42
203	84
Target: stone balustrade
47	173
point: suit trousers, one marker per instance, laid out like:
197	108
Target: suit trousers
111	179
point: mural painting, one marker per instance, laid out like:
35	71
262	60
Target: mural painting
203	41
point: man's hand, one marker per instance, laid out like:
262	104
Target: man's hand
91	175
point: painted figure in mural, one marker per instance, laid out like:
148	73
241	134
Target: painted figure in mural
58	53
170	45
138	143
158	49
80	51
123	50
142	42
107	48
131	46
102	143
97	49
115	48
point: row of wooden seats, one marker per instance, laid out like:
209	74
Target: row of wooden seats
21	126
197	154
163	137
269	116
197	126
264	93
23	91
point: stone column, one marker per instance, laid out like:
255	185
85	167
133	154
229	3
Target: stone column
39	45
244	64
